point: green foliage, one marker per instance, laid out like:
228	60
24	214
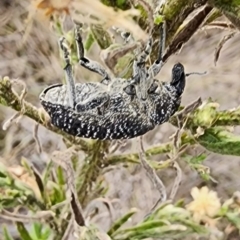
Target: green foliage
166	221
23	231
230	8
120	222
121	4
195	162
6	235
221	141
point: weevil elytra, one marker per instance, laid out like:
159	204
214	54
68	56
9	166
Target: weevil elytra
114	108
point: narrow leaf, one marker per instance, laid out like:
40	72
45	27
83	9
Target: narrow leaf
23	231
121	221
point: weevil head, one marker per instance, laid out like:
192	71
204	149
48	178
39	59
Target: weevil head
178	80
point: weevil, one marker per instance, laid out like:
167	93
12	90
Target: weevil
114	108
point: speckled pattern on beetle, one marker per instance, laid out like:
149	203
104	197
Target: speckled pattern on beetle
114	108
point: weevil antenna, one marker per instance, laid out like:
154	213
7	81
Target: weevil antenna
195	73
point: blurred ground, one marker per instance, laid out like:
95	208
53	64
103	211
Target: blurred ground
33	57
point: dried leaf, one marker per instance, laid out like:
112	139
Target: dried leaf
220	45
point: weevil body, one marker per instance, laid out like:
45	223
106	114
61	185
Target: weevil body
114	108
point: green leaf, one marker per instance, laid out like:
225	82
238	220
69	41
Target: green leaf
219	140
23	231
194	226
206	116
101	36
25	164
58	195
2	175
158	19
155	213
40	232
46	233
9	203
120	222
60	176
234	218
143	227
6	234
195	163
37	227
47	172
196	159
89	42
159	232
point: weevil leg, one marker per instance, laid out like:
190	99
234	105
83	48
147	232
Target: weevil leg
141	59
69	73
157	65
88	63
146	52
98	100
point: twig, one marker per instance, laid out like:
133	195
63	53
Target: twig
220	46
64	160
10	121
39	216
160	149
17	116
35	136
189	108
92	209
222	25
23	92
152	174
176	151
69	229
177	181
116	144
